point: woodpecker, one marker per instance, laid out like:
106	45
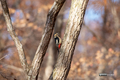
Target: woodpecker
57	41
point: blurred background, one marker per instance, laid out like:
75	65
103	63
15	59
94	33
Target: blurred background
97	50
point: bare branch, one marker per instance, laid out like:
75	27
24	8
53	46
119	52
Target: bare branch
3	57
94	34
5	48
7	77
4	76
51	17
12	67
13	35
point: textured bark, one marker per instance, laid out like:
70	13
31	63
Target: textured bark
73	28
51	17
10	29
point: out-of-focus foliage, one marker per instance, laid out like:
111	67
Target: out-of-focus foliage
97	50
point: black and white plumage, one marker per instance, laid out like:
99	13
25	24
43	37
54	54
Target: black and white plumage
57	41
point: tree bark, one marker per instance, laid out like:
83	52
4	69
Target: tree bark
73	28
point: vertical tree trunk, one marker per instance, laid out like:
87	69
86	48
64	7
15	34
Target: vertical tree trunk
73	28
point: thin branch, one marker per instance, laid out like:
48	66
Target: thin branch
94	34
5	48
13	35
3	57
12	67
4	76
51	17
7	77
90	30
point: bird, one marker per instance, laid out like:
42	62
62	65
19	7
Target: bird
58	41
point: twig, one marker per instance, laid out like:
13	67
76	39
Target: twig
3	49
3	57
12	67
94	34
4	76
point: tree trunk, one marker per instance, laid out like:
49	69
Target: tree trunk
73	28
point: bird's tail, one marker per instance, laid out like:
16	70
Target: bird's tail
58	50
